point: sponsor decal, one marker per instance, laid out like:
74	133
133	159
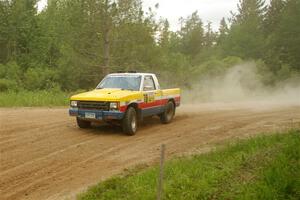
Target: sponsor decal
149	97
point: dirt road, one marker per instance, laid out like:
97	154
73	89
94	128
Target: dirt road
45	156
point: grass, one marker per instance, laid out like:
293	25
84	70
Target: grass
33	98
265	167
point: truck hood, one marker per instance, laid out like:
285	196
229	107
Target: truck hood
105	95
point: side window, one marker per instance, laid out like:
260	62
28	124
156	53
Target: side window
148	83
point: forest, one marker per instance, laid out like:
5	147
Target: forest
72	44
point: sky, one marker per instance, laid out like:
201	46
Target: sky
208	10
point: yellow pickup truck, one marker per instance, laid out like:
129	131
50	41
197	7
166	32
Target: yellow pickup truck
125	98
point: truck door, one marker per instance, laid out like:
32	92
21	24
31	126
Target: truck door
152	97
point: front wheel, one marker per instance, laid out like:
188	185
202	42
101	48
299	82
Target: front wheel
129	122
167	116
82	123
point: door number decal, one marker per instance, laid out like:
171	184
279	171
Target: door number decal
149	97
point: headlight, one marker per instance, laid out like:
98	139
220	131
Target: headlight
73	103
113	106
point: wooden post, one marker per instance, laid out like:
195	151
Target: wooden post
161	172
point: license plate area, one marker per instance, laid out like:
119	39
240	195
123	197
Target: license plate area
89	115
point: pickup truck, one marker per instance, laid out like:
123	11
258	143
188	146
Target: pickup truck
125	98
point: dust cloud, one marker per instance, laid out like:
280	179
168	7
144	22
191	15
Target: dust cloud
242	84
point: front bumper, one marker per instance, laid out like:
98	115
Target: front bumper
99	115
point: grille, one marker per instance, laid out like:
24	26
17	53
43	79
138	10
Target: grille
93	105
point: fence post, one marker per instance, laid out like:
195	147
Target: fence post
161	172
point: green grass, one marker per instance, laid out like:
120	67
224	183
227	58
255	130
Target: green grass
265	167
33	98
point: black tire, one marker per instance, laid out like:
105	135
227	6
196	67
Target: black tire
129	122
82	123
168	115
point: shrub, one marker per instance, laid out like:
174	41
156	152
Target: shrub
2	71
10	77
6	85
230	61
3	85
40	79
13	71
211	68
285	72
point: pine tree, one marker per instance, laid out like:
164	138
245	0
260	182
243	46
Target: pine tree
273	15
273	18
164	34
250	10
287	39
192	35
223	31
282	35
22	29
209	36
4	31
245	38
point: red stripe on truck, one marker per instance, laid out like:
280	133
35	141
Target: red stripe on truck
145	105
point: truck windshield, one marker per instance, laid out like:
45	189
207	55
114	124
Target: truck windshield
122	82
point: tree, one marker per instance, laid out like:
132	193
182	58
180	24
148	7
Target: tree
18	30
250	10
165	33
23	30
245	38
133	43
74	43
4	31
192	35
287	38
271	25
107	14
273	15
282	36
223	31
209	36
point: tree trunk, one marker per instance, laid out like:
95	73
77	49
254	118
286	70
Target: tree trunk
106	30
106	51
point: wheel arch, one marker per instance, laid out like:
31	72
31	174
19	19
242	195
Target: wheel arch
137	109
173	101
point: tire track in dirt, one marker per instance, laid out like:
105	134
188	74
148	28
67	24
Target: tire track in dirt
59	160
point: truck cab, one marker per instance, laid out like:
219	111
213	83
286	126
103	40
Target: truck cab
125	98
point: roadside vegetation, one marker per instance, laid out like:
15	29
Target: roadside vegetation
72	44
34	98
264	167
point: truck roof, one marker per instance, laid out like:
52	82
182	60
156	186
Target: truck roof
130	73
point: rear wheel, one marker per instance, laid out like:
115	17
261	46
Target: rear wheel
167	116
129	122
82	123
